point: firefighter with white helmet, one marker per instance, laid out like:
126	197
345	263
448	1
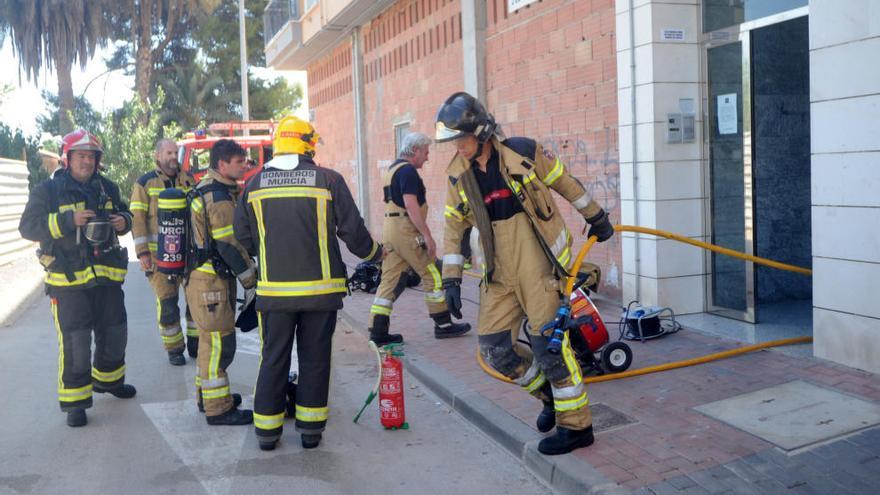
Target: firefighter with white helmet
289	217
502	187
77	217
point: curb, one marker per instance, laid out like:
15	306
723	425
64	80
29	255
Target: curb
563	474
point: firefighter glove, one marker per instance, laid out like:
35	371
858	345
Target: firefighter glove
452	288
600	226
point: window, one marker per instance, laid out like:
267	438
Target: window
400	131
718	14
308	4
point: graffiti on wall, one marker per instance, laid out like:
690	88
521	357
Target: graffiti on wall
596	165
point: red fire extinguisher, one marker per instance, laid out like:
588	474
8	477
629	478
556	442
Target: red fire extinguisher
391	403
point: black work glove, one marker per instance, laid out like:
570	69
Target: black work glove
452	288
600	227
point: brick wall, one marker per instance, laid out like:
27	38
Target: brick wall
550	73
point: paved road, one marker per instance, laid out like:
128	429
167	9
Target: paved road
158	443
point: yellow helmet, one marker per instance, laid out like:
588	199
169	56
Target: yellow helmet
295	136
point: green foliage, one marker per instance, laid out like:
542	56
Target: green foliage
274	99
194	96
84	115
14	144
129	138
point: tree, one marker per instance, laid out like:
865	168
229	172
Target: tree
84	115
55	32
150	26
195	97
14	144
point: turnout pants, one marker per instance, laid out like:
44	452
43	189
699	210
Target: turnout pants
78	314
523	285
313	331
168	314
399	238
212	305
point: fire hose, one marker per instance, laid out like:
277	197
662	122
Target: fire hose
575	268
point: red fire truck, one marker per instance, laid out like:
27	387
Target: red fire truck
194	149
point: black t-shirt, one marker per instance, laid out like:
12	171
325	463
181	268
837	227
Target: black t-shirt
406	180
498	198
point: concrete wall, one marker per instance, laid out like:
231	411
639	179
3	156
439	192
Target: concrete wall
550	74
13	197
661	184
845	104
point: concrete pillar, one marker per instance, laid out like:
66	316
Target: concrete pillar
473	42
360	131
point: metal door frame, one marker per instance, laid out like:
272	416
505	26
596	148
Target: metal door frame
741	33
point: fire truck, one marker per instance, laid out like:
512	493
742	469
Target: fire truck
255	136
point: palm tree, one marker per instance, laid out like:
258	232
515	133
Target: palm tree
57	32
194	97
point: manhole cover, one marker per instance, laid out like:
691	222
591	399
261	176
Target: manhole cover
795	414
607	418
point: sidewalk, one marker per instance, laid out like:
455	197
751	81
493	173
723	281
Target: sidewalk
650	436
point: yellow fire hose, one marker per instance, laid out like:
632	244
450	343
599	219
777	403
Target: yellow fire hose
576	266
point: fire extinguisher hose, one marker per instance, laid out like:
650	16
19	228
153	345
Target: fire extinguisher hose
575	268
375	390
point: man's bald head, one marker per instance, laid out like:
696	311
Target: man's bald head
166	157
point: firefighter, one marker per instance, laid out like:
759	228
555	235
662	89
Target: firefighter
289	216
144	207
211	285
77	217
502	187
409	243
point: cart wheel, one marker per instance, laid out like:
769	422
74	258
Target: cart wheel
616	357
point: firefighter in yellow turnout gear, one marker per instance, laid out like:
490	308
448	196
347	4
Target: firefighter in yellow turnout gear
144	207
409	243
502	188
290	216
211	287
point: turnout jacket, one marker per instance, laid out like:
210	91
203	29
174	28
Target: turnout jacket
144	204
214	201
530	173
290	218
71	263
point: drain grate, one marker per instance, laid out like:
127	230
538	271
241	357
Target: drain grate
607	418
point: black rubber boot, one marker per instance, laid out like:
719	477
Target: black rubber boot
124	391
236	401
547	418
192	347
268	444
444	328
379	332
77	418
232	417
565	440
310	441
176	358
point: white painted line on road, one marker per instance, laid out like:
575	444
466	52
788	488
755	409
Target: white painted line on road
210	452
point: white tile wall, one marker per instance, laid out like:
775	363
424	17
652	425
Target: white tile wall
674	63
846	338
674	16
847	125
846	179
850	233
847	286
833	22
661	258
842	71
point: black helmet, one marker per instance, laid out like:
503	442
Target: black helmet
462	114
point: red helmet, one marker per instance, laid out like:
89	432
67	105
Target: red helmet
80	139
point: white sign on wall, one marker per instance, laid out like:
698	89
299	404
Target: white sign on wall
727	114
514	5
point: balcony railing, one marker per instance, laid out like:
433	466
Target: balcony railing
277	14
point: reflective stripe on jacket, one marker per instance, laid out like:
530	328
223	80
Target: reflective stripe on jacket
290	220
530	172
69	260
144	200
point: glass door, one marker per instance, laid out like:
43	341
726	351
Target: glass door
729	70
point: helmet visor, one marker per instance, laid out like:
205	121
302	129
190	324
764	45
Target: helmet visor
443	134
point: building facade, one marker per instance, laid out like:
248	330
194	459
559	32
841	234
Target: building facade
743	123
